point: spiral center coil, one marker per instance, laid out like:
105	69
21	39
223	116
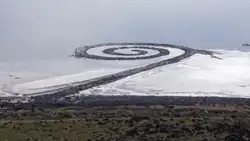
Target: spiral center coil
122	51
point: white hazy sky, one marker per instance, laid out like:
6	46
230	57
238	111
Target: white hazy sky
44	29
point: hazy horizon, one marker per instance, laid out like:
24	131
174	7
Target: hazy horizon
53	29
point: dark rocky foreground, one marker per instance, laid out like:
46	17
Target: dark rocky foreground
148	122
98	100
126	118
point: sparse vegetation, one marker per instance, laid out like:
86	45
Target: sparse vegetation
127	123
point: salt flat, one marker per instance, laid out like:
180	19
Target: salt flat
198	75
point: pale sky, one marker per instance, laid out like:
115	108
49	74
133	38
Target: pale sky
53	28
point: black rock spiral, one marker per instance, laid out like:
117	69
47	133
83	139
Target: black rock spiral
113	53
138	53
